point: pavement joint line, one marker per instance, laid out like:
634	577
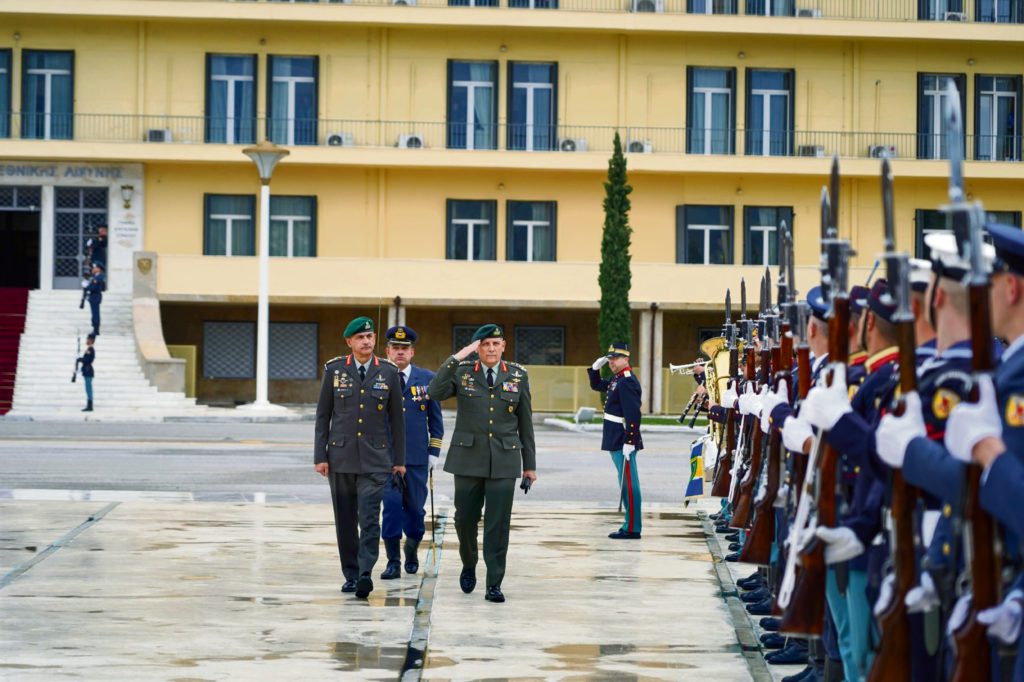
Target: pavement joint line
745	635
56	545
419	637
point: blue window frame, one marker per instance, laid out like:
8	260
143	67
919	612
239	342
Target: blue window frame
531	230
471	231
292	100
771	8
761	235
997	118
710	110
229	227
999	11
5	93
231	98
533	4
769	112
472	105
47	94
711	6
931	123
532	99
704	235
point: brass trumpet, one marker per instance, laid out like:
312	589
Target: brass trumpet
687	370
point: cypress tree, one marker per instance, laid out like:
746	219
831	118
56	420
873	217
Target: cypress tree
614	321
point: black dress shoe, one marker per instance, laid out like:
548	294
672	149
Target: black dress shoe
750	582
772	640
733	537
724	528
393	571
349	586
624	535
760	594
760	608
715	516
364	586
805	675
494	594
412	561
735	546
771	624
789	656
467	580
735	556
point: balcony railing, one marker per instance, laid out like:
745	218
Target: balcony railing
509	138
959	11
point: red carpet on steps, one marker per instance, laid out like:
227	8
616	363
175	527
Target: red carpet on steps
13	305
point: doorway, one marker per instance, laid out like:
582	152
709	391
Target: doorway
19	260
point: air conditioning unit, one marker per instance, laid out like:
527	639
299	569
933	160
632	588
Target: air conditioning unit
341	140
815	150
572	144
410	142
809	13
955	16
877	151
655	6
640	147
158	135
403	3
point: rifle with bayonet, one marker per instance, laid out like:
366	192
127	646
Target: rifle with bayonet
723	469
741	458
982	571
892	660
743	511
78	359
805	612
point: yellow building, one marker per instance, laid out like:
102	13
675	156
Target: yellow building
447	161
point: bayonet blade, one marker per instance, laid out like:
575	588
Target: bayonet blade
743	298
790	263
954	142
826	212
834	196
728	307
887	206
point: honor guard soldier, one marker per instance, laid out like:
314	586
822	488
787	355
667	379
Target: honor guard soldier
94	289
492	444
621	432
360	445
424	428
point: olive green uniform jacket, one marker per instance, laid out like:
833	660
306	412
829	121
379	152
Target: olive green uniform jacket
493	436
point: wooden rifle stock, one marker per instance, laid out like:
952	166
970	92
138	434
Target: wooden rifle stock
723	469
751	440
892	660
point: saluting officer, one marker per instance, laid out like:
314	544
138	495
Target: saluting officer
492	443
424	428
621	432
360	444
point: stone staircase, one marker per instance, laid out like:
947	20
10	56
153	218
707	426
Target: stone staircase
46	361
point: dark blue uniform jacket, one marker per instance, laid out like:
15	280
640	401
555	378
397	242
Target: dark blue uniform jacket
623	401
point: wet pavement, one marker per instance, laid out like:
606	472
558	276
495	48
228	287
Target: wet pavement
162	589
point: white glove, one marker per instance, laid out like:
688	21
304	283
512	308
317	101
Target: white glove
782	496
628	450
895	433
432	460
960	612
843	544
968	423
749	402
825	405
885	594
924	597
769	401
599	363
795	433
729	395
1004	621
85	283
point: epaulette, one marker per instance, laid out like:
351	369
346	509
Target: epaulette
517	366
389	362
466	362
340	357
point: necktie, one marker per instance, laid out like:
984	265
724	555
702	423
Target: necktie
401	377
362	373
490	378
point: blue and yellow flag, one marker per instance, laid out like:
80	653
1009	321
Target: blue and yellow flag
695	486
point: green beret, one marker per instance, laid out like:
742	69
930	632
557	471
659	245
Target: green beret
488	331
358	326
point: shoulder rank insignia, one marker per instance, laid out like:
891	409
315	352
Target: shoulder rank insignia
340	357
1015	410
944	402
388	362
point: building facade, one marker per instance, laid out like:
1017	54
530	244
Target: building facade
447	158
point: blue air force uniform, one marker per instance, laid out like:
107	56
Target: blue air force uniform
94	289
622	428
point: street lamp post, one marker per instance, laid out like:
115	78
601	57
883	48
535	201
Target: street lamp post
265	155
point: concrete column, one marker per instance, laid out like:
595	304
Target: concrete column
46	238
658	363
392	315
642	362
401	314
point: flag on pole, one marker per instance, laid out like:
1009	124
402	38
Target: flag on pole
695	486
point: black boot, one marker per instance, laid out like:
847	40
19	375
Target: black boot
412	562
88	406
393	570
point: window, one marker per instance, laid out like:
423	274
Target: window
997	118
47	95
293	226
78	211
761	235
940	10
531	106
710	110
1011	218
5	93
534	4
931	124
229	228
292	100
472	3
704	235
770	8
769	112
927	222
462	336
472	105
26	199
231	98
711	6
999	11
540	345
293	350
531	230
471	230
229	350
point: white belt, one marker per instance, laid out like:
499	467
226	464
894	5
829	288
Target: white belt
612	418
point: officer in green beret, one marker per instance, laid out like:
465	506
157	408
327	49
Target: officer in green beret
492	444
360	444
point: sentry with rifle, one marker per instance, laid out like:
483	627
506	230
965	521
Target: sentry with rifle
723	468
